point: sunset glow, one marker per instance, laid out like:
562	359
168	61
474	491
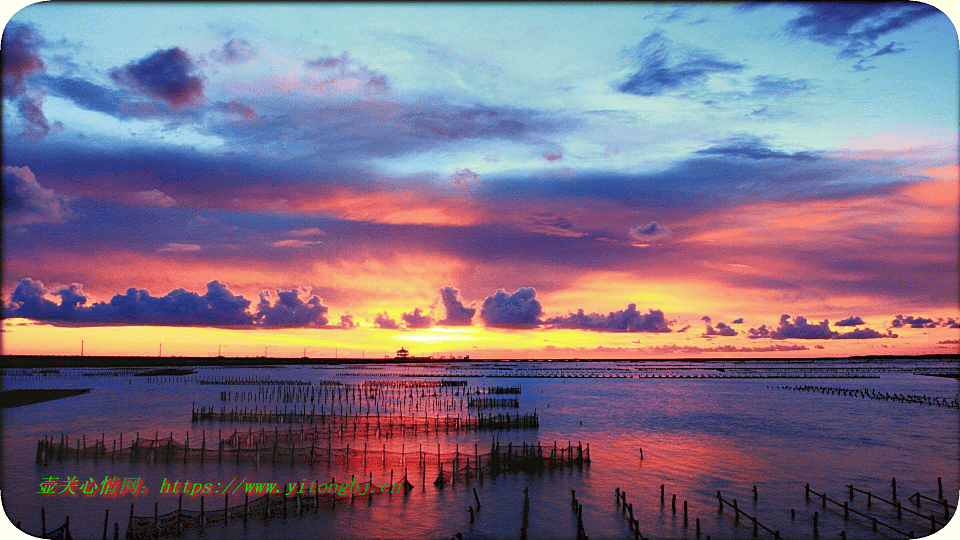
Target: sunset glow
689	180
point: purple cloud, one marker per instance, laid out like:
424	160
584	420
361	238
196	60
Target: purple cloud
803	330
290	310
662	67
913	322
721	330
235	51
850	321
518	310
457	313
20	58
166	75
417	319
218	307
382	320
628	320
26	201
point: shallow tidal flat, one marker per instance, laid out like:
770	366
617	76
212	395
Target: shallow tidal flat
490	450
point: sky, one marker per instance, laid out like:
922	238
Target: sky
499	181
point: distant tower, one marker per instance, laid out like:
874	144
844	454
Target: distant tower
403	353
81	347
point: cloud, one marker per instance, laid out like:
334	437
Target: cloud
856	27
306	232
346	322
20	58
217	307
891	48
799	330
737	321
154	197
706	319
457	313
384	321
629	320
291	310
25	201
552	156
237	107
914	322
166	75
417	319
650	231
673	348
849	321
181	248
296	243
463	178
802	330
752	148
235	51
344	74
124	103
778	87
664	67
36	126
518	310
721	330
864	333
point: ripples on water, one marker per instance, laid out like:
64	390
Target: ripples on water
697	436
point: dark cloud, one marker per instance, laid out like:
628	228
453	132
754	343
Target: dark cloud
752	148
20	57
628	320
855	27
417	319
779	87
25	201
85	94
850	321
20	63
166	75
673	348
346	321
664	67
36	126
706	319
457	313
552	156
864	333
891	48
721	330
235	51
737	321
218	307
383	320
914	322
290	310
803	330
798	330
341	131
650	231
518	310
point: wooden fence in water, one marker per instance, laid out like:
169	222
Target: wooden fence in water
264	448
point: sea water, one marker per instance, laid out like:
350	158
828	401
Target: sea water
694	428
